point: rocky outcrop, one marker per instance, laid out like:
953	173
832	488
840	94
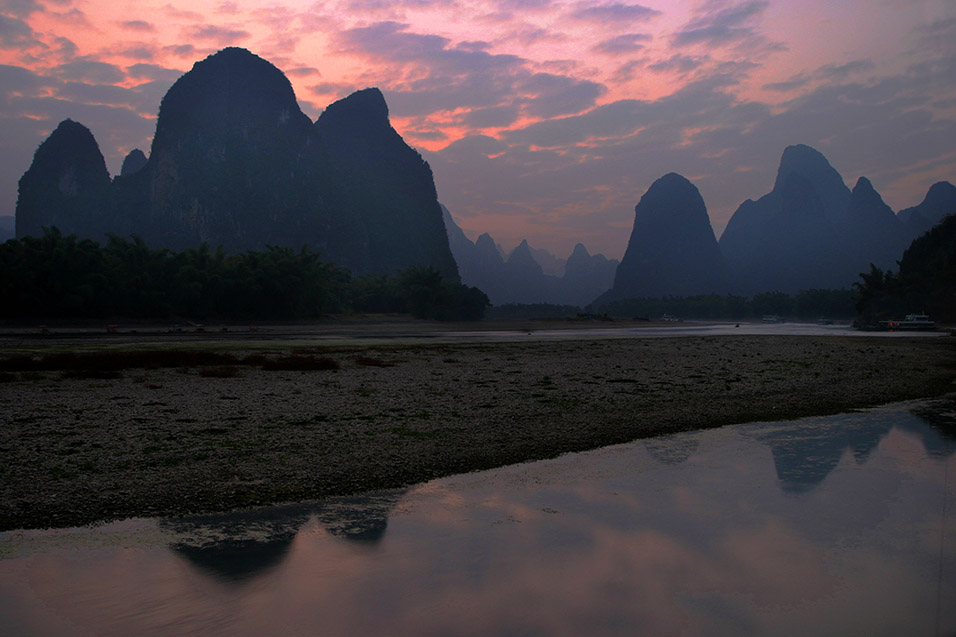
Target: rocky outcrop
235	162
876	232
827	183
367	169
134	162
940	202
808	232
227	159
672	249
66	186
586	276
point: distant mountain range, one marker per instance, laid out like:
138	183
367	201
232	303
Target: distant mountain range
522	278
809	232
235	162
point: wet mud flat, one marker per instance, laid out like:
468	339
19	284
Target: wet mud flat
174	432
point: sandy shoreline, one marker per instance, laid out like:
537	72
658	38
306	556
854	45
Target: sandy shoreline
170	441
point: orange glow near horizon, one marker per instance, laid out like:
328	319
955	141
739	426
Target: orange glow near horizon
531	76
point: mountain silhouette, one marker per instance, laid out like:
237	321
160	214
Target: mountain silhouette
235	162
940	201
810	231
134	162
877	231
522	278
368	170
67	185
672	249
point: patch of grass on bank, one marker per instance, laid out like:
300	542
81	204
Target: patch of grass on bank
110	364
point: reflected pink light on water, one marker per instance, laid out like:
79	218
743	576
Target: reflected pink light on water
689	534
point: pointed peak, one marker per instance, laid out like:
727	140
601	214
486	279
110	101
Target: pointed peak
580	251
69	129
941	189
522	252
366	107
673	179
810	164
803	160
134	161
68	125
863	185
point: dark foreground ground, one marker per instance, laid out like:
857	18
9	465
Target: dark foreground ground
87	440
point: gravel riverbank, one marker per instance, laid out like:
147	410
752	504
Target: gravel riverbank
166	441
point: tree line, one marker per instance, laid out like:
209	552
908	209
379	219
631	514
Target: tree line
926	281
61	276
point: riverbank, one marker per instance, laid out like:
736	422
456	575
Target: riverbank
80	446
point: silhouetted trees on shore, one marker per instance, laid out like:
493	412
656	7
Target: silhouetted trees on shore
926	281
57	276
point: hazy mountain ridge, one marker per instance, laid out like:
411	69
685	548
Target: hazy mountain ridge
522	278
235	162
809	232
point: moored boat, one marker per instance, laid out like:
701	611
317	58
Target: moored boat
911	322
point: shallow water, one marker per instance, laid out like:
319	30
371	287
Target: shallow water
838	525
689	328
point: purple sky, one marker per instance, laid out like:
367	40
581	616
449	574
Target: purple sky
541	119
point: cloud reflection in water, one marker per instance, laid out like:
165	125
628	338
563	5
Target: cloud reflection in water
834	528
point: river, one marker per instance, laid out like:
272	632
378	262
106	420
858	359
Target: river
835	525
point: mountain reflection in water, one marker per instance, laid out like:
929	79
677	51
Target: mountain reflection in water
836	525
237	546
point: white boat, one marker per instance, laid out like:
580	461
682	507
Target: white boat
911	322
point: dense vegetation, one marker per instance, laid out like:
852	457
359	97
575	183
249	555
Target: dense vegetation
57	276
808	304
926	281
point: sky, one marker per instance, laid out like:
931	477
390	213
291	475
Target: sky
543	120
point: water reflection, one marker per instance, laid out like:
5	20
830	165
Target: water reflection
940	437
838	525
235	547
805	456
671	451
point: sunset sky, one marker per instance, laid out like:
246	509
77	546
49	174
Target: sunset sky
541	119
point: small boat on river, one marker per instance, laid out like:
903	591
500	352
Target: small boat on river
911	322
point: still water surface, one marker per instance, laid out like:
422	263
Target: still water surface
838	525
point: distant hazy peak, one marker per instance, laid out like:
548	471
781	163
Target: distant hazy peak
803	160
134	162
810	164
940	192
863	185
865	194
522	256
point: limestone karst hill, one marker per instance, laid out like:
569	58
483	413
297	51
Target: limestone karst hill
235	162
